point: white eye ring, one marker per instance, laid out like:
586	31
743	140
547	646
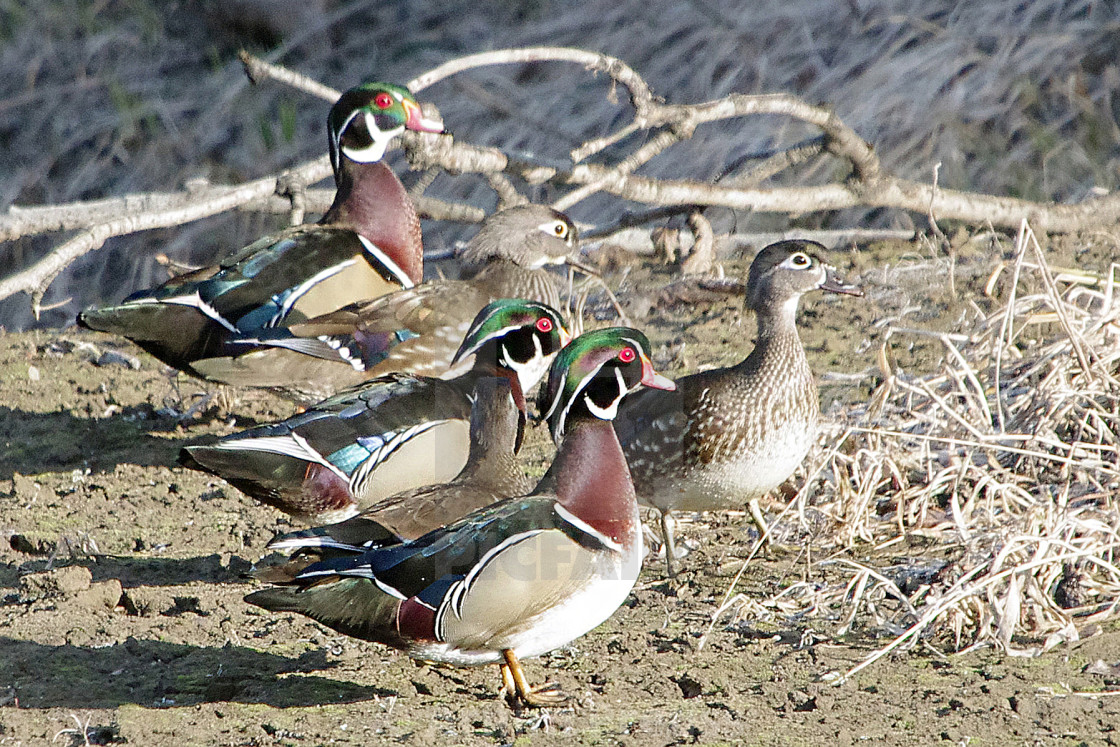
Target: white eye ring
557	228
800	260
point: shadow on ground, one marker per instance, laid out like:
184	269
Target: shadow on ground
32	443
143	572
159	674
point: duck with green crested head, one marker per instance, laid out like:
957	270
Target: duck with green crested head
515	579
366	245
395	433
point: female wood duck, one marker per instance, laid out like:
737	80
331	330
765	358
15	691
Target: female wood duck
513	580
397	432
728	436
415	330
366	245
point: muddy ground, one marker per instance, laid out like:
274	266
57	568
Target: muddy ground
121	577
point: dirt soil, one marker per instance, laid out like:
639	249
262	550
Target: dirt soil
121	618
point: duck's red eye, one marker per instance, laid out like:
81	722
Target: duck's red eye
382	100
544	324
627	355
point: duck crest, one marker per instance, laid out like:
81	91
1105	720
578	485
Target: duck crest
593	481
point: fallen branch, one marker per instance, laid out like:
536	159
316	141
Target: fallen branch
868	185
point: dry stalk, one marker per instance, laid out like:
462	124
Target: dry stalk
1008	457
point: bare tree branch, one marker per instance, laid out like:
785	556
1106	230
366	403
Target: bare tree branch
38	277
868	185
259	71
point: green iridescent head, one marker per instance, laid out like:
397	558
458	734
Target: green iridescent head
514	334
594	372
367	117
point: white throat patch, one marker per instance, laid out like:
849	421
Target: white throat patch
375	151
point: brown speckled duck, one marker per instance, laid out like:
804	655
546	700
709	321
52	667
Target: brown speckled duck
728	436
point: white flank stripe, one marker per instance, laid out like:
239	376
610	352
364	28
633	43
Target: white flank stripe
196	301
385	587
583	526
292	445
398	273
298	543
458	593
385	451
300	290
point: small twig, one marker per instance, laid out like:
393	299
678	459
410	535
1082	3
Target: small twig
598	280
259	71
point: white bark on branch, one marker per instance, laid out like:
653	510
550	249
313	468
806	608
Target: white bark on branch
867	186
38	277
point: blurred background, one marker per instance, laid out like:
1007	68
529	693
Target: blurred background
106	97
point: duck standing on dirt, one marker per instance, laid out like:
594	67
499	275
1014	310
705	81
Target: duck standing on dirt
367	244
397	432
728	436
513	580
415	330
492	473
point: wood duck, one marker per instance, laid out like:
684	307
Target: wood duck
492	472
365	246
728	436
415	330
395	433
513	580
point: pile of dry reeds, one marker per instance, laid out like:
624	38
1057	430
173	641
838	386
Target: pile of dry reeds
1002	469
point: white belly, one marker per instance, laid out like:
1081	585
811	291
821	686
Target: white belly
568	599
731	483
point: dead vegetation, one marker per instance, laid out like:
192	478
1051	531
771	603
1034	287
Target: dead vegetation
984	494
986	491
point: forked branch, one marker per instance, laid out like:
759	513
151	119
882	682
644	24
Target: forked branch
867	186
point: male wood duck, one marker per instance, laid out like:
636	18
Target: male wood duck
366	245
415	330
397	432
513	580
492	472
728	436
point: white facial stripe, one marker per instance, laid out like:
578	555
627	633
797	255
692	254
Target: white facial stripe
375	151
579	388
610	411
797	261
533	370
549	228
493	335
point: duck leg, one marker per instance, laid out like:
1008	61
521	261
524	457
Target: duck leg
760	522
670	542
517	688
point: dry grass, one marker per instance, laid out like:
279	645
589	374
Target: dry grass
1000	472
1006	460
